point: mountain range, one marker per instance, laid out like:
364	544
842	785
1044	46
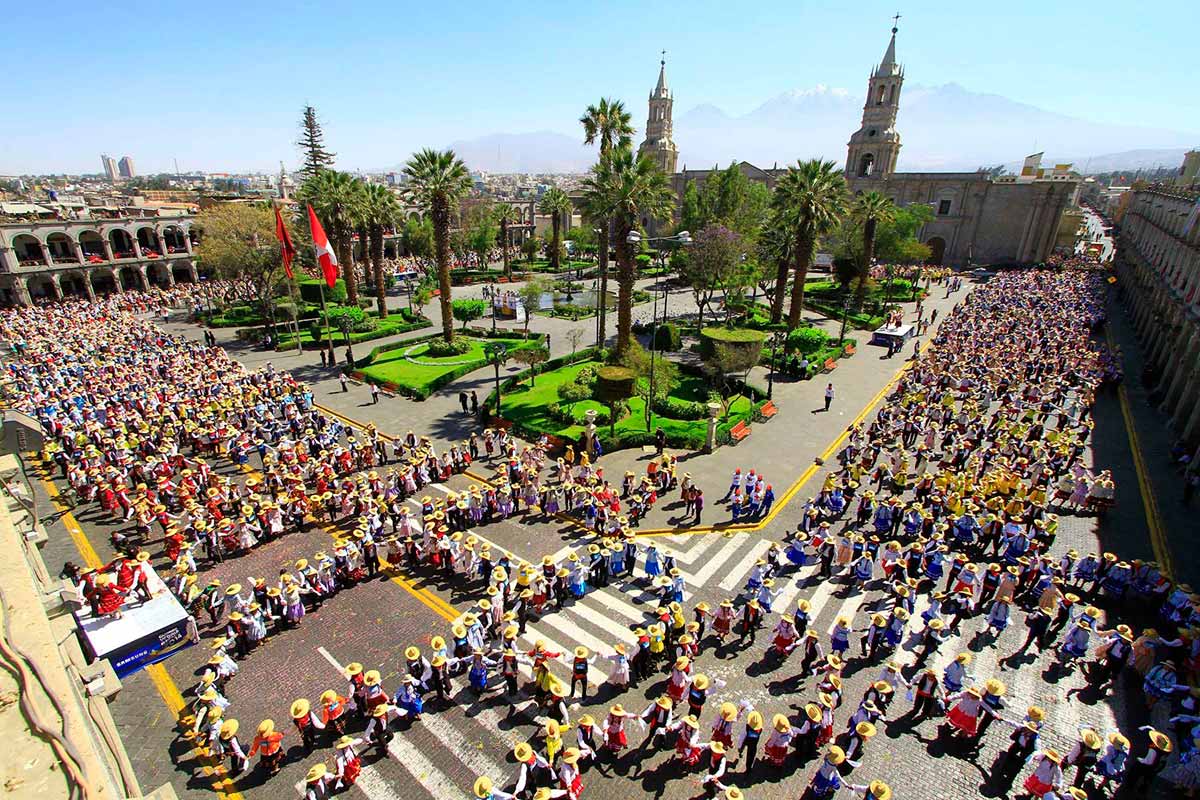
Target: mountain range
943	128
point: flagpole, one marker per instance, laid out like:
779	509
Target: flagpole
325	313
296	317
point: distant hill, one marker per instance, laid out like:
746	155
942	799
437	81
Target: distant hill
942	128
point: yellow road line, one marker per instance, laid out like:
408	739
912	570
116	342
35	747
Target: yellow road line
222	784
1158	539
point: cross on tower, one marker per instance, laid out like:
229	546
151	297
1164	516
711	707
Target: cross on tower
664	58
896	22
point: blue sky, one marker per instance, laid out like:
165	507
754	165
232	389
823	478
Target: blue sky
219	85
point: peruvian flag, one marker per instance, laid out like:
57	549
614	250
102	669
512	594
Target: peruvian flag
287	249
325	255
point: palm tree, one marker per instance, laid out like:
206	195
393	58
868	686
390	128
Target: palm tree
438	180
336	198
871	208
381	210
626	188
556	203
609	124
809	200
506	215
775	247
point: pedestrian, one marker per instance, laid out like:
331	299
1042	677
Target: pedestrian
344	382
698	502
374	394
462	401
324	359
828	395
474	403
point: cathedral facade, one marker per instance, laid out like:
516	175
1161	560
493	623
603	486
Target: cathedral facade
978	219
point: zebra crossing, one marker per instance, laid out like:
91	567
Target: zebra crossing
477	743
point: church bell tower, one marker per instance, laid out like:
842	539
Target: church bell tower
873	149
658	145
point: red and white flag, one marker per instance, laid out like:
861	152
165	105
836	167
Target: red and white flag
325	255
286	248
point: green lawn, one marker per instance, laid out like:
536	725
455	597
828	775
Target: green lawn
529	408
429	373
394	324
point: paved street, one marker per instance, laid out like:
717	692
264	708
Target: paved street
374	622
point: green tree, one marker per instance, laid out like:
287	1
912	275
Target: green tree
438	181
692	214
239	244
417	237
557	205
337	198
810	200
381	211
468	310
531	297
608	124
530	247
312	143
625	189
774	250
872	208
709	263
506	215
531	357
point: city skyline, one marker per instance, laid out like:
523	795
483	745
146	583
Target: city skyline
417	81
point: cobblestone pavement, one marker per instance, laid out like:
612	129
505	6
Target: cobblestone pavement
374	622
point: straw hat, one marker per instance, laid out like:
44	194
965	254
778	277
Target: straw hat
316	772
1053	755
691	721
1091	738
353	668
728	711
300	708
571	755
522	752
664	702
346	741
1159	741
880	790
865	729
229	728
700	682
372	678
780	723
619	711
581	652
717	747
995	687
836	755
328	696
1117	740
413	653
813	712
380	710
734	793
483	787
266	727
587	720
1036	713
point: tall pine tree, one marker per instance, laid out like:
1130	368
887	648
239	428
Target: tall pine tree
312	142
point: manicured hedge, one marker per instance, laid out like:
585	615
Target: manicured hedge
423	390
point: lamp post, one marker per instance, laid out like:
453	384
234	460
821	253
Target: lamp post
845	316
497	353
635	238
492	300
777	339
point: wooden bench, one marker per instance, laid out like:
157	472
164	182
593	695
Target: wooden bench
849	350
830	365
739	431
769	409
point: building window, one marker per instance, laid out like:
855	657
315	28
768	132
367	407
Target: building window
866	165
943	208
871	132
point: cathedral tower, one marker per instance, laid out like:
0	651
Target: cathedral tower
873	148
658	144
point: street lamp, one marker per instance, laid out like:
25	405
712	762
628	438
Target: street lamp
845	315
492	300
497	353
777	339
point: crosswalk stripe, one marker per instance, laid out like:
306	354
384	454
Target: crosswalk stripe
847	609
784	601
601	620
712	565
423	770
627	610
820	598
691	556
467	751
577	634
532	635
734	578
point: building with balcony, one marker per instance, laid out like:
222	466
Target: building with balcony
1158	264
50	259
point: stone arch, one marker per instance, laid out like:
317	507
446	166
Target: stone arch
414	215
29	249
147	239
881	95
103	281
92	245
121	243
181	270
937	251
158	275
866	165
175	238
42	287
131	278
61	248
73	284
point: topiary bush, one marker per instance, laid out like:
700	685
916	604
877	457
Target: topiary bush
735	338
440	348
667	338
807	341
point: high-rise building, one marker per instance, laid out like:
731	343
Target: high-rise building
125	167
658	145
110	166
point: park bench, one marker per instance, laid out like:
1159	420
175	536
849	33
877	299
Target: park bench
769	409
830	365
739	431
849	349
